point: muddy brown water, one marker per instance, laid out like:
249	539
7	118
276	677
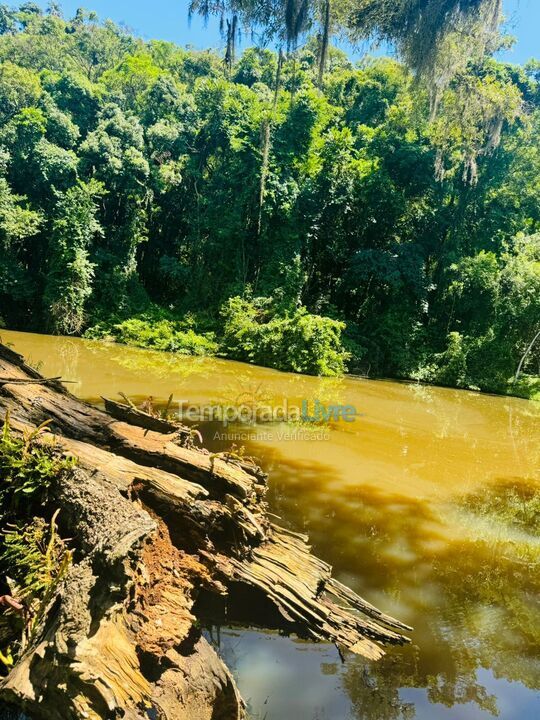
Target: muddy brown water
427	504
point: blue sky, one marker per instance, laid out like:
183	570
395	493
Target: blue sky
168	20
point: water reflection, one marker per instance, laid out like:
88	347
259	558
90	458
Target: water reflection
462	568
427	505
283	679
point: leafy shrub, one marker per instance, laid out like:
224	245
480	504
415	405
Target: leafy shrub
35	559
299	342
452	363
241	329
146	331
32	555
477	363
527	387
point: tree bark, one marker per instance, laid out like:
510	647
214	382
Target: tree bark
525	355
159	532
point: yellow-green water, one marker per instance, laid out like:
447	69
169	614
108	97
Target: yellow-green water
427	504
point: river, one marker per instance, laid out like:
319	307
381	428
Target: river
427	504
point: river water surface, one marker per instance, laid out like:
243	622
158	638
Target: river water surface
427	505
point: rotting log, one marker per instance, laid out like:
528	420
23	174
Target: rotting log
135	416
156	531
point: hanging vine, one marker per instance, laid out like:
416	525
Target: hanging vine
325	40
266	137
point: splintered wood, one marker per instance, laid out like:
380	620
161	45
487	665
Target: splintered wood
155	525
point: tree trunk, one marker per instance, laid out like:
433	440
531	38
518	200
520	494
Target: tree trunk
159	532
525	355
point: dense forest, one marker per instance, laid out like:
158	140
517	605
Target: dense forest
266	208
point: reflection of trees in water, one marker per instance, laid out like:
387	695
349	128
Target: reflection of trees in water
491	617
69	351
450	413
241	376
485	617
159	364
374	689
252	385
464	575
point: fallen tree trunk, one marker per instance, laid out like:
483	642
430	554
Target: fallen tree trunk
135	416
159	531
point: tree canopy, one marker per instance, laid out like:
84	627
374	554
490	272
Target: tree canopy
249	207
420	29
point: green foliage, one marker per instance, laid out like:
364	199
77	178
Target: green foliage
371	210
34	556
19	88
497	301
527	387
28	466
300	342
33	561
132	79
16	221
157	333
420	29
475	288
70	272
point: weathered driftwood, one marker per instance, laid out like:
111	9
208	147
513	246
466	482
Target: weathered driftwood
32	381
159	533
136	416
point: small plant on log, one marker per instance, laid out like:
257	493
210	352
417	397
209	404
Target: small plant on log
33	561
33	558
27	468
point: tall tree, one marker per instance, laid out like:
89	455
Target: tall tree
70	273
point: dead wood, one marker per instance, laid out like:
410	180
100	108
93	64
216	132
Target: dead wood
157	530
30	381
140	418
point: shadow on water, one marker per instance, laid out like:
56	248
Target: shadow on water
9	713
463	572
427	505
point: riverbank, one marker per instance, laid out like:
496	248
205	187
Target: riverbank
182	339
297	342
314	347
